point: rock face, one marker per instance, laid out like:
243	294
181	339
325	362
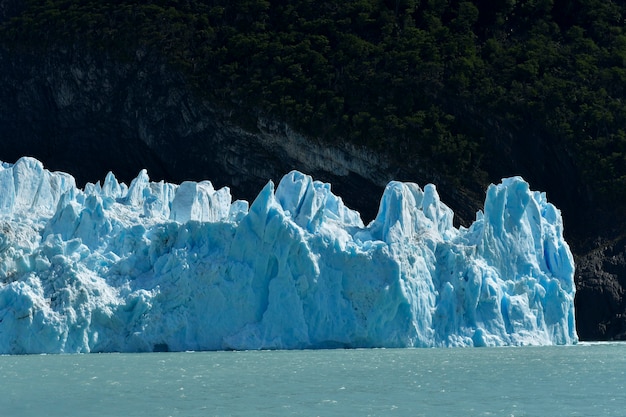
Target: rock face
88	114
601	278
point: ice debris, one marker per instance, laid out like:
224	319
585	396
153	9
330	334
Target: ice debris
158	266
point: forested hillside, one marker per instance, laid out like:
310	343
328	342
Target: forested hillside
445	80
354	92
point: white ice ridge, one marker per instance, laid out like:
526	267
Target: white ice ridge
158	266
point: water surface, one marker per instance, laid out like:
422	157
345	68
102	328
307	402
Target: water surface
582	380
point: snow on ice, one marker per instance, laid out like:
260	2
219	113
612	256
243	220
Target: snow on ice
158	266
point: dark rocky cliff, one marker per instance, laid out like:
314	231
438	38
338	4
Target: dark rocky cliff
87	114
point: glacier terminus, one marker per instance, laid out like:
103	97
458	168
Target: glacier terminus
158	266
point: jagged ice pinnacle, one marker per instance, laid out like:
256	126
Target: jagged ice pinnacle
158	266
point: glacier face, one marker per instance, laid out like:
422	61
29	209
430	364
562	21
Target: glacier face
155	266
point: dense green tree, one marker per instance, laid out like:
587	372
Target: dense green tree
425	78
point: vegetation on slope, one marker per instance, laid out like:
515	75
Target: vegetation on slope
440	79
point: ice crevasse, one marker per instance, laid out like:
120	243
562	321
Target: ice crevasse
159	266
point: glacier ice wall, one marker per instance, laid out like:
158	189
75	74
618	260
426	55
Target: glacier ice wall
155	266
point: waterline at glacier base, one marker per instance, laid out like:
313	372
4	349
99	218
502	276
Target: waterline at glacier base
158	266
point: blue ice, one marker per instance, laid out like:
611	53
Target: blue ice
135	268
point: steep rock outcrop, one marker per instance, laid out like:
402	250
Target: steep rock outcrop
89	114
601	288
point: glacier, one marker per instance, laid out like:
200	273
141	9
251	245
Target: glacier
157	266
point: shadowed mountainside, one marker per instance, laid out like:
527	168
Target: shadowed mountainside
96	87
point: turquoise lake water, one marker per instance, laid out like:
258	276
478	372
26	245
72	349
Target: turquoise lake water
582	380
